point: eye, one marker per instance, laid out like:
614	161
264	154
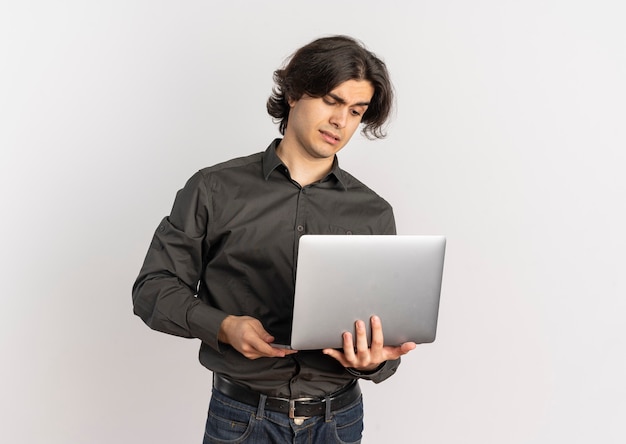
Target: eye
355	113
328	101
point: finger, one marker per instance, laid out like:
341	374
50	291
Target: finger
391	353
378	340
348	347
267	350
261	332
407	347
251	348
361	337
261	341
288	350
253	344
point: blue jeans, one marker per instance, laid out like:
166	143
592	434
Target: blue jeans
230	421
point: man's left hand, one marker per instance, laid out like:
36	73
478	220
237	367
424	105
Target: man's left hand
365	358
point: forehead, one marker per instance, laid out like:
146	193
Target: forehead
354	91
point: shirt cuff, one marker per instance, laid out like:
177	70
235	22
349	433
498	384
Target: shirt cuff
204	323
382	372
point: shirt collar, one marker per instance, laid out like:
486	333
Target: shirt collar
271	161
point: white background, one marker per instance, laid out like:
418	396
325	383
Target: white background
509	138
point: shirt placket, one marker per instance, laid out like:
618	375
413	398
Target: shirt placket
300	225
300	229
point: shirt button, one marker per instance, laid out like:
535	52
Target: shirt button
300	228
161	228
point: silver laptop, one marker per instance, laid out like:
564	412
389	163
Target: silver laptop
340	279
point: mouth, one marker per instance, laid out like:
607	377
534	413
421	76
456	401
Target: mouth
330	137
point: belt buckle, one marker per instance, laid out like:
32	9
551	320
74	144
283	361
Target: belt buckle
298	420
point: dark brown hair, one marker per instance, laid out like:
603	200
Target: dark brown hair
319	67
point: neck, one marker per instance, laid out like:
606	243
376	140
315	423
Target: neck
302	168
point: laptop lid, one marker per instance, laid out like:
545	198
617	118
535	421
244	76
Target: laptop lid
340	279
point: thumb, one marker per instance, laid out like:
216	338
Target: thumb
263	334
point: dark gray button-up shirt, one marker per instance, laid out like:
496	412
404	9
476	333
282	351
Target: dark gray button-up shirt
230	245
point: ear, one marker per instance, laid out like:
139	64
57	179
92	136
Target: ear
291	100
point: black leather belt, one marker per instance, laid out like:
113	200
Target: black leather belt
295	408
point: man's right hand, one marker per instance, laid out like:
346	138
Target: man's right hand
247	335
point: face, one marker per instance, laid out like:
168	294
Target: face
318	127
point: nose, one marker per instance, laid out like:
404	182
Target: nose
339	117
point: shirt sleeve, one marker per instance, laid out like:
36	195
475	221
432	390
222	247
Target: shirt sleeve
164	294
387	222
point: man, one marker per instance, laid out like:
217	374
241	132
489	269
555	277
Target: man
221	267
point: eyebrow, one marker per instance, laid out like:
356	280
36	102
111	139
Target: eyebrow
343	101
